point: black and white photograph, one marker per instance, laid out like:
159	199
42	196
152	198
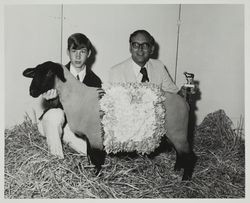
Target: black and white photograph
128	100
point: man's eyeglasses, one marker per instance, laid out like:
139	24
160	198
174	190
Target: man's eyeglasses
145	46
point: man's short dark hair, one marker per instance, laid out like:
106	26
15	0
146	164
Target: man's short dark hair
145	33
79	41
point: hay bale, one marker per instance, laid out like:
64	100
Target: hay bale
30	172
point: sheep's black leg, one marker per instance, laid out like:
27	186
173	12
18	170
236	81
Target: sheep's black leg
97	157
187	162
178	162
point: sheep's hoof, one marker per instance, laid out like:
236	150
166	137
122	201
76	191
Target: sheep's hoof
189	167
187	174
97	172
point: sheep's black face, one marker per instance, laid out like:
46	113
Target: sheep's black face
43	77
43	81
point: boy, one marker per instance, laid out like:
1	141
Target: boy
53	123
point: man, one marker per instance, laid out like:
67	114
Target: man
140	67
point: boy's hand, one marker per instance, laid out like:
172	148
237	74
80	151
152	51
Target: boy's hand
50	94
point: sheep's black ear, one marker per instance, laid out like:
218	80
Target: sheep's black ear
29	72
58	70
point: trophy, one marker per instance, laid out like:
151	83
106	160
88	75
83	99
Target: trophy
188	88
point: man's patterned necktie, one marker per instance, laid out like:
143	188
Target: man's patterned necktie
144	73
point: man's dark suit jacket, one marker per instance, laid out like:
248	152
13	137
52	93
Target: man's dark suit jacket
90	79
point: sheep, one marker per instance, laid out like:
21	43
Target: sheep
84	120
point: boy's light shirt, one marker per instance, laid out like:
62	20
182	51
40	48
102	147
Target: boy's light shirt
81	74
137	69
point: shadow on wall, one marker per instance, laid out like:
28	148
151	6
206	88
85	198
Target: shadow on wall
155	55
92	58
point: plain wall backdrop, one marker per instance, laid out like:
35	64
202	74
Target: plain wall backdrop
211	45
32	36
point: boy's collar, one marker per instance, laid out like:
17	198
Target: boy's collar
81	74
71	67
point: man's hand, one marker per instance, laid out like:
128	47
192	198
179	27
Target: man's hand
50	94
183	91
100	92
